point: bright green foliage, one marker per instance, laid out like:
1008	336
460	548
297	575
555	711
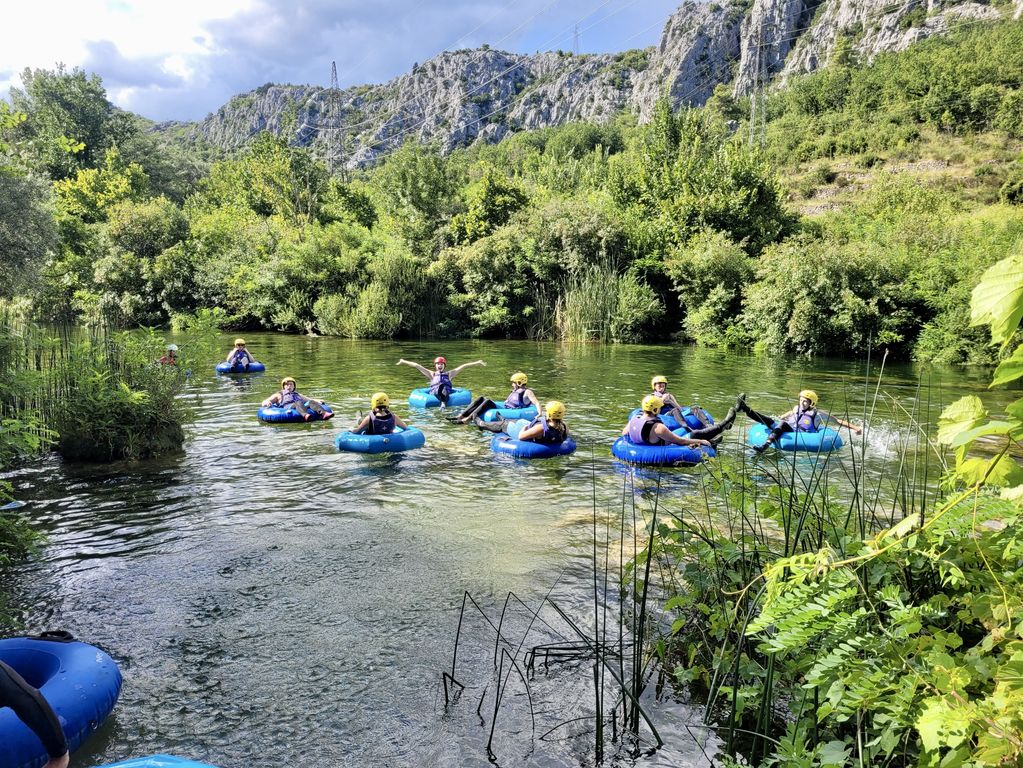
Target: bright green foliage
887	643
87	197
417	192
708	274
967	80
109	401
489	203
686	178
65	111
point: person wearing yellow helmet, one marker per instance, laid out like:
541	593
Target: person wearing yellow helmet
287	397
659	385
521	397
240	357
803	417
380	420
549	427
646	427
440	377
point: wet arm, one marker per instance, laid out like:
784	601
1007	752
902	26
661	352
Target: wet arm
534	431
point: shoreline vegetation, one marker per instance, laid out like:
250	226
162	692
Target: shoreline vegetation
859	219
848	635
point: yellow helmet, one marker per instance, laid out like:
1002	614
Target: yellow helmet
239	342
652	404
658	380
555	410
286	379
519	378
810	395
380	399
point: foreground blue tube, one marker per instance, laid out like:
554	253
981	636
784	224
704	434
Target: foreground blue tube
496	414
509	444
158	761
80	682
822	441
660	455
274	414
228	368
399	440
421	398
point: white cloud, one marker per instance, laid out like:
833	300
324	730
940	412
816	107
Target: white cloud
183	59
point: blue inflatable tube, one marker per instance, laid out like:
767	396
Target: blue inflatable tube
660	455
822	441
229	368
399	440
158	761
692	421
274	414
80	682
496	414
509	444
421	398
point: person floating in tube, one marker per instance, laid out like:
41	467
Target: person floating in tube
659	385
35	712
646	427
440	377
289	398
380	421
521	397
804	417
240	357
549	427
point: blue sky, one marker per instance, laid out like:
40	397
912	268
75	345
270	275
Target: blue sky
182	60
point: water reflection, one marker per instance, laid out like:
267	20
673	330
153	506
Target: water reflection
273	602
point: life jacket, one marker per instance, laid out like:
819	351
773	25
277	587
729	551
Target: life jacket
641	429
806	421
441	382
238	356
381	424
517	399
289	398
551	435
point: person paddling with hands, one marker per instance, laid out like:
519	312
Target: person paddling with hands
440	377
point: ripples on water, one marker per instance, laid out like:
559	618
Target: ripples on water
275	603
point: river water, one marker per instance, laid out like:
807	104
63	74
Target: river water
272	602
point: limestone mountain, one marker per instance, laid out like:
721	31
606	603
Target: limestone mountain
460	97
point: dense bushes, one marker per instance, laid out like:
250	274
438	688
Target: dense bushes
682	222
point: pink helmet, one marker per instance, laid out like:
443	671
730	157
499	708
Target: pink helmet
439	360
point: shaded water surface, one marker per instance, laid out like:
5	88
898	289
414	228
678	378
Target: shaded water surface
274	603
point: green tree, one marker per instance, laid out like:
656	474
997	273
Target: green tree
417	193
63	110
490	202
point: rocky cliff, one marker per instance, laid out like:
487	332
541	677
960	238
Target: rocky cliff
461	97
